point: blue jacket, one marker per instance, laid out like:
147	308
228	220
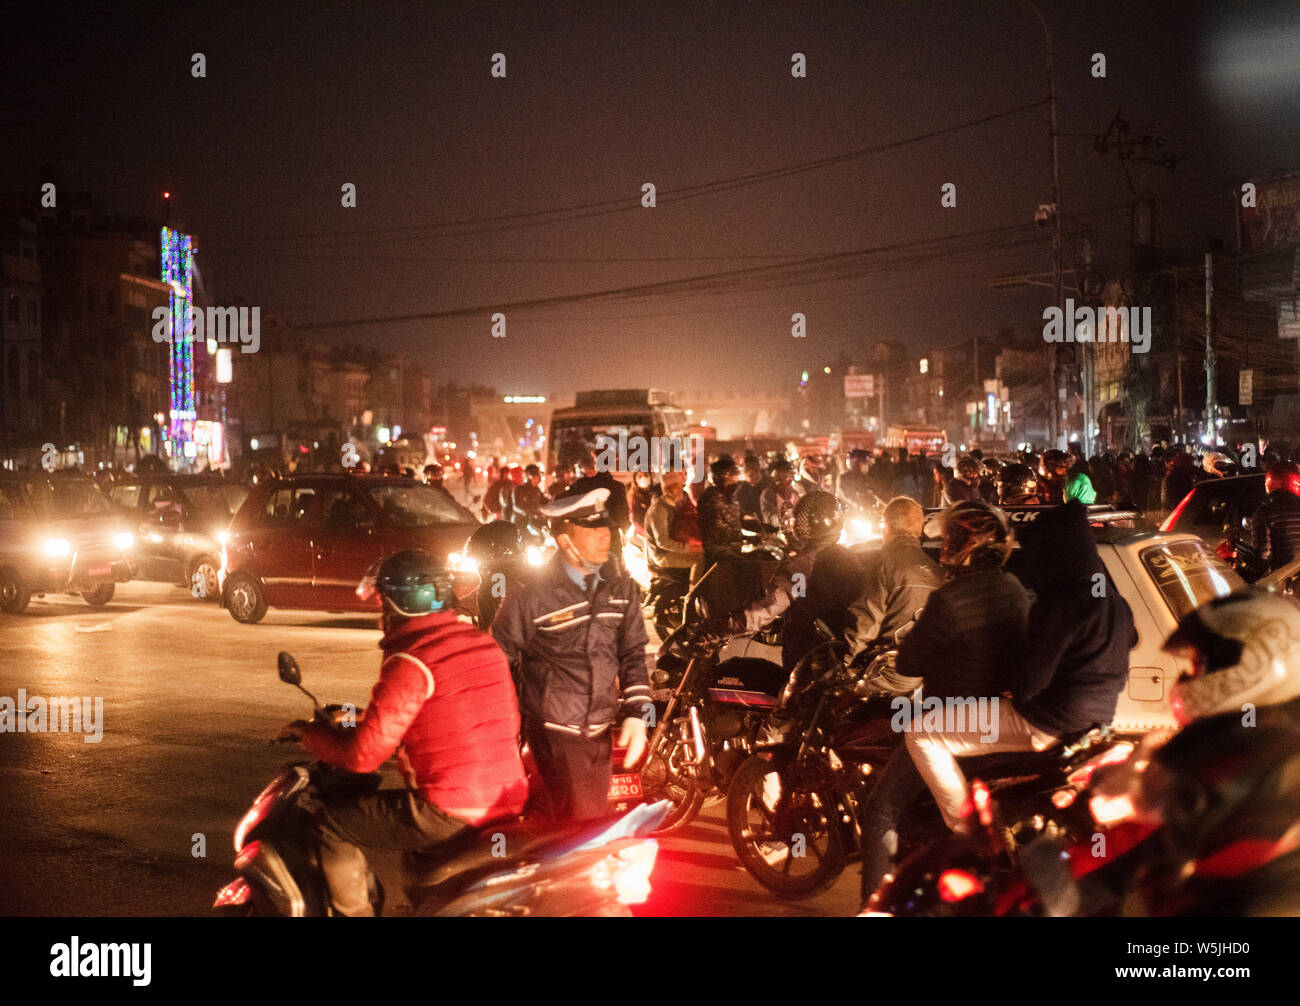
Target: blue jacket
579	660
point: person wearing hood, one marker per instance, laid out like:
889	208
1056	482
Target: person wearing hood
1072	665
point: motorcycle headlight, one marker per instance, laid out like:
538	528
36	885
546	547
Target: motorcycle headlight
123	541
534	555
57	548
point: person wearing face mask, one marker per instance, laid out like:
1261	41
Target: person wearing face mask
778	500
812	471
640	494
576	641
719	511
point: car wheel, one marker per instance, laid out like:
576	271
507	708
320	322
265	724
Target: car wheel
202	580
245	599
14	595
101	595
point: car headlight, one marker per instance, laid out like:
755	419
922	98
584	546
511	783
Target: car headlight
56	548
534	555
124	540
223	537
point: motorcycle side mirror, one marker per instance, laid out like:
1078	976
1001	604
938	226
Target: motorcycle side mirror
290	673
170	518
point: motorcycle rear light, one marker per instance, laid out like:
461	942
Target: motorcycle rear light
979	794
237	892
957	885
1108	810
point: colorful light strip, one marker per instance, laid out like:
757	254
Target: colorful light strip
178	274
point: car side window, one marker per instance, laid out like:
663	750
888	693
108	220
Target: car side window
345	511
276	511
304	511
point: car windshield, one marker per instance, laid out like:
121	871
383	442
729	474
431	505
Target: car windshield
414	505
60	499
220	500
1188	574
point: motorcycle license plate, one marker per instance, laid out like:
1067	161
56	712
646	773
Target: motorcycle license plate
102	570
625	785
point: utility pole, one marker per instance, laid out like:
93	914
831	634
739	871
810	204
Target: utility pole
1211	406
1053	425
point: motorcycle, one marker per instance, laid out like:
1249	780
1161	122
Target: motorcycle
711	721
793	809
665	600
510	868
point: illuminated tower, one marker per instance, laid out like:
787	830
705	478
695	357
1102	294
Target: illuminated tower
178	274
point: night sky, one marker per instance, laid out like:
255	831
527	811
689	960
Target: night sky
600	98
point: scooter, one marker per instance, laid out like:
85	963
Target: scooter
519	867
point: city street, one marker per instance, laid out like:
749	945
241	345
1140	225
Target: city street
189	701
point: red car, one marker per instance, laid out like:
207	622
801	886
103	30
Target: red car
306	541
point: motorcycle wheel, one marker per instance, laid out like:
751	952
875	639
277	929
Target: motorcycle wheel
664	777
786	837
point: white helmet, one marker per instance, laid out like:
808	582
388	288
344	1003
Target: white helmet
1245	648
1215	463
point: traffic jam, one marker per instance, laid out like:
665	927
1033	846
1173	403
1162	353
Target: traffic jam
641	463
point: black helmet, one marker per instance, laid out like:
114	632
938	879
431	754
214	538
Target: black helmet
412	583
818	519
496	542
1017	484
972	530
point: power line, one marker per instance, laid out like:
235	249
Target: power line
536	218
735	279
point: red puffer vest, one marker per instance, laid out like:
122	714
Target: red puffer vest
445	704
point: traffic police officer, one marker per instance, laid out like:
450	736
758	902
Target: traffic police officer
576	639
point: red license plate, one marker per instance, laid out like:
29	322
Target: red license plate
625	785
103	570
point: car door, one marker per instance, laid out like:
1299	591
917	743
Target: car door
347	542
162	505
1144	702
281	546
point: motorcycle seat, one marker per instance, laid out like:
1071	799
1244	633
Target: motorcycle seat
493	845
1013	762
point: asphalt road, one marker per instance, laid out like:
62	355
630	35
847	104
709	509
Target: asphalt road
140	823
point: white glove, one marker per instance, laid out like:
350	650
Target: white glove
632	736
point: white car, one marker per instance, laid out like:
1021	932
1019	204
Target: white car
1162	576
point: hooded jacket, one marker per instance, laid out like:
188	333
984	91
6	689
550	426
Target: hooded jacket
1075	658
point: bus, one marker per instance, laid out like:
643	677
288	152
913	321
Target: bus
598	419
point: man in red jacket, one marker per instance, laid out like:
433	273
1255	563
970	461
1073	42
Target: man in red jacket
445	705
